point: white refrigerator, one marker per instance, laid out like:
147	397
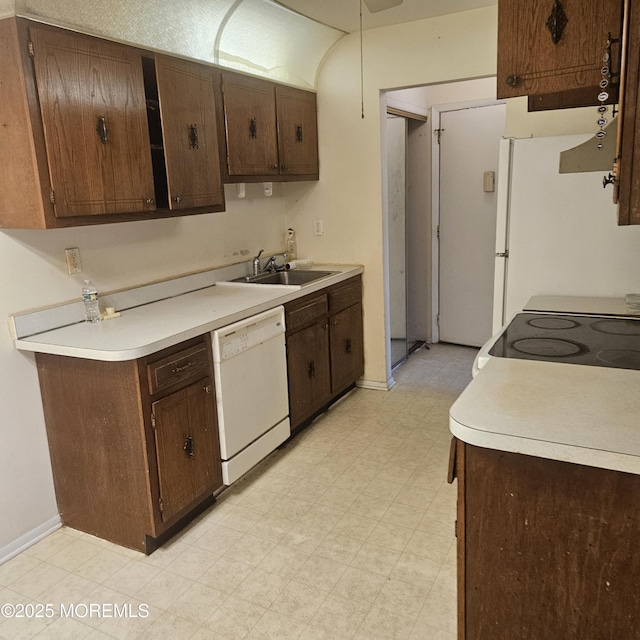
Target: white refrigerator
560	230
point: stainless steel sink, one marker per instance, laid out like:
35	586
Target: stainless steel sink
291	277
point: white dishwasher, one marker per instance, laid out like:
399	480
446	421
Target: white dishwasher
250	365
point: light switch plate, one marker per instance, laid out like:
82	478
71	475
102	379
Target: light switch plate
318	228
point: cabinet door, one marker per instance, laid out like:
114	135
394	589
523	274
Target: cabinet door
187	446
347	352
93	109
627	188
250	121
309	372
297	132
540	52
187	108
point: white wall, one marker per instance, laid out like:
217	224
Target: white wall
115	256
350	196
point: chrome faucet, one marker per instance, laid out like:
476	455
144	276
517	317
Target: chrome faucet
270	264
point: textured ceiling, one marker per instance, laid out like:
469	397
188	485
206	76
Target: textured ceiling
345	14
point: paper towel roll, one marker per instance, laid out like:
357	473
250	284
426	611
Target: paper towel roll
299	264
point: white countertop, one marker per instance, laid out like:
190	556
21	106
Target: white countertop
143	330
573	413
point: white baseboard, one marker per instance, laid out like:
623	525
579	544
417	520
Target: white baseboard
28	539
375	385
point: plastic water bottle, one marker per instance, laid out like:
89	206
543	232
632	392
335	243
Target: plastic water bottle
91	304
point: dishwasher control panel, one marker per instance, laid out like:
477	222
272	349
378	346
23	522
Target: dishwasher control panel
234	346
236	338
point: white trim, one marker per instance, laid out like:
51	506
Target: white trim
375	385
29	539
435	222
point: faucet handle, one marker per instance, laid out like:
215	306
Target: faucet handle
259	253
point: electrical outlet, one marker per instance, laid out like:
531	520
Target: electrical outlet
318	228
72	257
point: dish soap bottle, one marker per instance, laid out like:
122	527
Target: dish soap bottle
292	251
91	303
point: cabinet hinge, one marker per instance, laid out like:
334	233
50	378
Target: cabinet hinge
52	196
153	420
161	505
438	232
438	133
32	52
438	320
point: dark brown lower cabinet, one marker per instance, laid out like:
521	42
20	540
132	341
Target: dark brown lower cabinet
325	352
134	444
347	355
309	371
546	549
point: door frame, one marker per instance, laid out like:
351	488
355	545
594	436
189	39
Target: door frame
436	111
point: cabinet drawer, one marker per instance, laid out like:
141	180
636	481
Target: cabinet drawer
306	310
345	294
178	368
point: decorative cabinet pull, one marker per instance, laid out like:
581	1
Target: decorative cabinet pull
347	346
208	389
184	367
275	166
311	369
298	133
149	201
188	446
193	136
606	180
178	199
253	128
513	81
557	21
101	129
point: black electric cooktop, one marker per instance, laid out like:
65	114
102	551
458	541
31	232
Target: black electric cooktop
592	340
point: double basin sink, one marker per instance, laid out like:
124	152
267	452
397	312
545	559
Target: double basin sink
295	277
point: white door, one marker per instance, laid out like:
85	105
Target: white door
469	147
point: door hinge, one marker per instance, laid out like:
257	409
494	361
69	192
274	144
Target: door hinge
161	505
32	53
52	196
438	133
503	254
153	420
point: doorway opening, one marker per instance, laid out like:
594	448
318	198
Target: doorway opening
406	225
413	224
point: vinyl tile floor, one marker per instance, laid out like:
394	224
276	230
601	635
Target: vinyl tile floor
347	532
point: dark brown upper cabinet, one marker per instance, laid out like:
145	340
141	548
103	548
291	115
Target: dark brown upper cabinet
297	132
92	103
552	50
189	131
271	131
83	120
